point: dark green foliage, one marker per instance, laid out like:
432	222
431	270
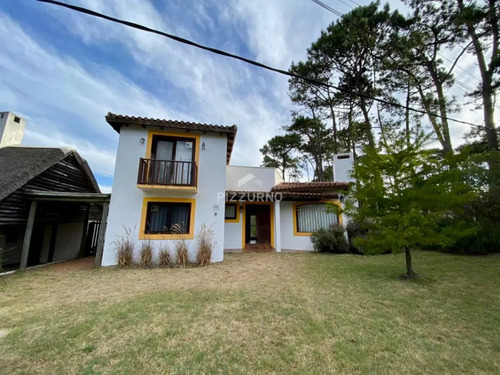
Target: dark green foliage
356	229
484	211
330	240
485	241
411	196
277	152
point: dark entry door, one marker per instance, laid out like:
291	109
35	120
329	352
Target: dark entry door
258	223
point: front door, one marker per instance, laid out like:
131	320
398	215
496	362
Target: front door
258	224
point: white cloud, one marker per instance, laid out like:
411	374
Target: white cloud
66	99
65	103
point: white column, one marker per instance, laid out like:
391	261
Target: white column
277	227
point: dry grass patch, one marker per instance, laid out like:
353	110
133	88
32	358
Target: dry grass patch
257	313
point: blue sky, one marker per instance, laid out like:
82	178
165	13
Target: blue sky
64	71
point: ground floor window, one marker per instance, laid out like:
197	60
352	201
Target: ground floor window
312	216
230	211
169	218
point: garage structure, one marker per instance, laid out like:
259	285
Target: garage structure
51	208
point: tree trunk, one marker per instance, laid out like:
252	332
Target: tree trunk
407	115
334	124
368	126
410	274
486	73
445	129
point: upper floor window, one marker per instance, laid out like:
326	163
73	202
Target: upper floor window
173	148
172	161
312	216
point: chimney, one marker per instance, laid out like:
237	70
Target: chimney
342	167
11	129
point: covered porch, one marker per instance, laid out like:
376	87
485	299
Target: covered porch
62	226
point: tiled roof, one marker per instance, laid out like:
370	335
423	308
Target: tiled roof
117	121
236	195
311	187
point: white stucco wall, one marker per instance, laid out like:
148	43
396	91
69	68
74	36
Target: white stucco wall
233	235
288	240
126	199
251	178
342	167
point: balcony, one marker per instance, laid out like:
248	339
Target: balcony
173	174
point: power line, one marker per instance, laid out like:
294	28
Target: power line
244	59
327	7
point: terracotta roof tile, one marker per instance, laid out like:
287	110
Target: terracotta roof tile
311	187
117	121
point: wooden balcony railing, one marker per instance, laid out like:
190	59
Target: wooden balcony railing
167	172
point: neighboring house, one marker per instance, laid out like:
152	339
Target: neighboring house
172	177
50	202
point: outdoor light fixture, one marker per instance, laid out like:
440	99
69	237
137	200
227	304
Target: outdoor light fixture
341	198
142	140
241	209
203	146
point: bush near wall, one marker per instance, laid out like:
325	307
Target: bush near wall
330	240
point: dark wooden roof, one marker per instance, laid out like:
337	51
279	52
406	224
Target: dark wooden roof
20	164
117	121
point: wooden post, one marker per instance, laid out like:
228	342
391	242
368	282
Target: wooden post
83	242
27	236
102	232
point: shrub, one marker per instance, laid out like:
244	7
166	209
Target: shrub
124	246
164	257
181	250
485	241
356	229
146	254
206	243
330	240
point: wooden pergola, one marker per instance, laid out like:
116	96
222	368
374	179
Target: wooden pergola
51	196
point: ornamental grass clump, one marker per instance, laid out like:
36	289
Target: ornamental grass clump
181	250
164	257
146	255
124	246
206	244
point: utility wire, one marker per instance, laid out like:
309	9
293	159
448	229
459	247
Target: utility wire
327	7
252	62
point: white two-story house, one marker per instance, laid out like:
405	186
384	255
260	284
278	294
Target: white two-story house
171	177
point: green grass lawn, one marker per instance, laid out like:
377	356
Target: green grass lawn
257	313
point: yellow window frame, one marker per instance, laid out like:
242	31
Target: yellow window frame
297	204
144	236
